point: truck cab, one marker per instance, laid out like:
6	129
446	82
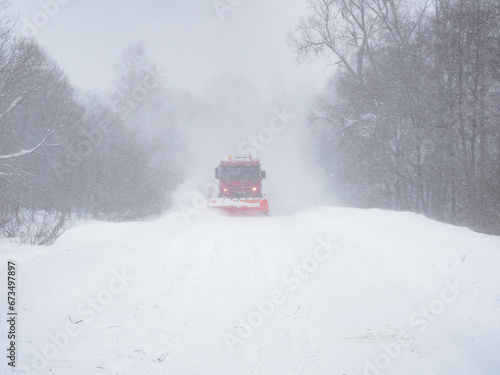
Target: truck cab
240	177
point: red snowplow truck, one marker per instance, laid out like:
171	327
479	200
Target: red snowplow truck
240	186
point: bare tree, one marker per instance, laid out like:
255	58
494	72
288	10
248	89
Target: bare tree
410	120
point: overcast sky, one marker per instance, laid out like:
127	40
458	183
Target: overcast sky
187	38
191	42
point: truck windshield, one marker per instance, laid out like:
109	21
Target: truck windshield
239	172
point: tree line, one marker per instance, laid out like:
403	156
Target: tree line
66	154
411	118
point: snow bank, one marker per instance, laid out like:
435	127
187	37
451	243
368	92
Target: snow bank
324	291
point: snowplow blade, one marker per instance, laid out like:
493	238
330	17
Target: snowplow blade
241	206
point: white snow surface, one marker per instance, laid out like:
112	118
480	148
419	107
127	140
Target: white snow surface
323	291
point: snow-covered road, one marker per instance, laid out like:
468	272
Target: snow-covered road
324	291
